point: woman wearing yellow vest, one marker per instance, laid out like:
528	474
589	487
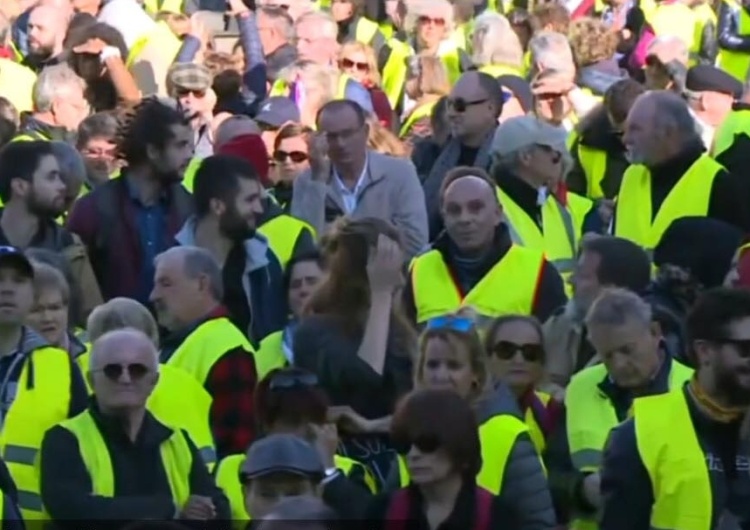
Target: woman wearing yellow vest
426	83
287	401
496	49
354	26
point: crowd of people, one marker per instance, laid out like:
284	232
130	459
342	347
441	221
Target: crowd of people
439	264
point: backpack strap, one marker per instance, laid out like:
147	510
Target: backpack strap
483	516
398	510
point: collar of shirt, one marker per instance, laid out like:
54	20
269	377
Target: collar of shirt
351	196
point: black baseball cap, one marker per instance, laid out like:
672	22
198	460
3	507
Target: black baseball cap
14	257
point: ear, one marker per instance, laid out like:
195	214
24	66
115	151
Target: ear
217	207
19	187
703	352
152	153
655	329
367	130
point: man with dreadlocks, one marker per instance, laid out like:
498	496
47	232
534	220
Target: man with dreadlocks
126	222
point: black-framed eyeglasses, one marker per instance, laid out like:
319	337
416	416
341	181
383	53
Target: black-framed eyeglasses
292	379
461	104
113	372
506	350
741	345
427	444
295	156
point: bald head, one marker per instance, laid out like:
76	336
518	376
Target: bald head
47	27
473	185
471	213
109	348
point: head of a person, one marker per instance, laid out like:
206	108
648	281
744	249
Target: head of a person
382	140
606	262
101	91
30	175
228	190
275	28
346	10
16	287
531	149
123	371
474	104
495	42
273	114
711	92
550	16
430	21
87	6
226	75
625	336
188	84
187	286
46	31
739	268
591	41
550	50
514	345
96	142
49	314
122	313
276	467
289	401
426	75
316	38
291	151
251	149
618	100
232	126
358	61
451	357
658	127
59	262
313	85
520	21
470	209
302	512
158	136
58	97
72	171
436	431
518	99
662	51
718	329
344	124
302	275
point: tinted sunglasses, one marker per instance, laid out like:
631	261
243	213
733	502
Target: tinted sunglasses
452	322
426	444
182	92
349	64
506	350
741	345
430	20
461	105
113	372
556	155
296	156
286	380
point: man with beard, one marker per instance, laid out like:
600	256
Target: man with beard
127	221
46	32
681	461
34	194
228	204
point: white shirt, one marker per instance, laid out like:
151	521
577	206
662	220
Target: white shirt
351	197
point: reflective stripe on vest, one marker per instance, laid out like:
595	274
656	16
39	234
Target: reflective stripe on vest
676	464
282	232
175	456
736	63
737	122
689	197
395	71
433	295
26	422
31	136
594	164
419	112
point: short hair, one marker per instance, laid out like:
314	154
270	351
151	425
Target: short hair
98	125
20	160
552	50
494	91
8	110
444	415
622	263
495	42
714	311
148	123
291	130
47	277
431	8
614	307
321	19
59	262
53	82
218	178
591	41
552	14
460	172
294	404
671	40
121	313
280	19
197	262
338	104
620	96
302	257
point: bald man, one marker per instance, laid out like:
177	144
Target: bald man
64	8
476	256
46	31
670	176
154	471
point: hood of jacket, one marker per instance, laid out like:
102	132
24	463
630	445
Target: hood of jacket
598	77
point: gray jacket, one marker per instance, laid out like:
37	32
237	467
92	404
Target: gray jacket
391	191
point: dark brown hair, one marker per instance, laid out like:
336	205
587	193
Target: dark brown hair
293	405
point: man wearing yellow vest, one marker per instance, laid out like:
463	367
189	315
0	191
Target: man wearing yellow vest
41	387
634	364
204	342
670	176
475	263
681	461
115	460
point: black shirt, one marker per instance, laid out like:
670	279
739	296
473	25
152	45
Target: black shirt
235	299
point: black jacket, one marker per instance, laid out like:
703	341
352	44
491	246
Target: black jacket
140	481
736	158
730	37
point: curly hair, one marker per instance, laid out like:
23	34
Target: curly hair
147	123
591	41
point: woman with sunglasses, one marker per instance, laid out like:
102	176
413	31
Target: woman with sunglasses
515	353
359	62
290	401
290	159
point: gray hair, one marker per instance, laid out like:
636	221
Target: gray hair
321	19
495	42
122	313
52	83
614	307
673	111
197	262
419	8
552	50
280	20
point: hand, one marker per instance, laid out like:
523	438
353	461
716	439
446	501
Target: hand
384	265
199	30
91	46
557	84
198	508
592	489
237	7
320	164
326	442
348	419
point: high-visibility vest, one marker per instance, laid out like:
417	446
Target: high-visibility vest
162	36
590	417
281	88
175	456
436	293
207	344
270	354
41	402
395	71
689	197
366	30
675	19
594	164
153	7
282	233
189	176
562	228
496	70
704	14
31	136
535	430
676	464
450	55
737	122
736	63
497	436
419	112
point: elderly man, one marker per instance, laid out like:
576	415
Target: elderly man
670	176
710	94
666	63
276	31
190	85
115	461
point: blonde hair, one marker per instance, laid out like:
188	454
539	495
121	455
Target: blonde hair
432	74
323	76
495	42
373	75
383	141
428	8
591	41
121	313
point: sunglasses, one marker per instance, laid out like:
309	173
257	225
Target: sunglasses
741	345
426	444
430	20
113	372
349	64
296	156
452	322
556	155
461	105
506	350
182	92
287	380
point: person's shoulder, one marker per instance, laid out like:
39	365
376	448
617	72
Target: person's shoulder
393	166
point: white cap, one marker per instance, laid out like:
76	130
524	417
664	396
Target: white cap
520	132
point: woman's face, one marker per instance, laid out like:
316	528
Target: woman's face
49	316
342	10
428	464
305	275
430	31
517	356
291	158
355	65
447	365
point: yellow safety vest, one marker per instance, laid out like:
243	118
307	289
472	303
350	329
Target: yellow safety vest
420	112
497	437
206	345
281	88
282	233
157	6
689	197
33	411
162	35
366	30
535	431
189	176
175	455
594	164
450	55
395	71
674	19
704	14
735	63
736	123
562	228
270	354
496	70
676	464
436	292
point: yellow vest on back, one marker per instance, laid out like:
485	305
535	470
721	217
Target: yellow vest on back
737	122
674	19
689	197
395	71
282	233
509	287
366	30
737	63
156	6
594	164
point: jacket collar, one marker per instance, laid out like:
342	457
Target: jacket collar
151	434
